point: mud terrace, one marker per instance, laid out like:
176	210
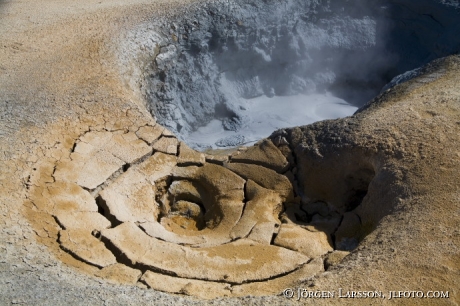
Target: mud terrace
101	204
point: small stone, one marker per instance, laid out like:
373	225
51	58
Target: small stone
187	208
280	141
187	215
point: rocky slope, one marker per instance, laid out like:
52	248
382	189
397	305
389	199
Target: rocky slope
100	203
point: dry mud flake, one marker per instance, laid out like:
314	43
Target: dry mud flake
150	133
88	248
189	157
119	273
234	262
98	155
312	244
62	196
260	216
265	177
277	285
157	166
264	154
166	145
131	198
82	220
198	288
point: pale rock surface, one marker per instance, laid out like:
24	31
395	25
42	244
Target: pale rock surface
221	193
221	183
167	133
191	209
262	232
43	173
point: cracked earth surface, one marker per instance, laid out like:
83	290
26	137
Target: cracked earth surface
176	219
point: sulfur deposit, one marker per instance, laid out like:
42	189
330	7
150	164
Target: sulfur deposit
104	200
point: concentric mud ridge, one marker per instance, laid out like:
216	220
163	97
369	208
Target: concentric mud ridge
143	207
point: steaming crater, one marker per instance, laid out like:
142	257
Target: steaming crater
223	74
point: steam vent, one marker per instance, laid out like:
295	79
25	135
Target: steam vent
234	152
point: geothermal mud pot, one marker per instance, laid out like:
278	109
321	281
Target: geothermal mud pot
105	198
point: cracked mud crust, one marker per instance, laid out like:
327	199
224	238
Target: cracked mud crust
100	204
